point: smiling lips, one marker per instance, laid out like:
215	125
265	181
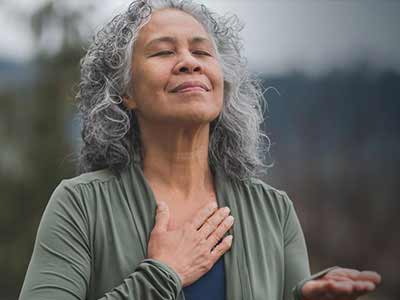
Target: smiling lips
189	86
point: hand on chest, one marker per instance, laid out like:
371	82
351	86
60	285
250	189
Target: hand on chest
183	211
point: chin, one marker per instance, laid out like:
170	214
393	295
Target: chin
194	118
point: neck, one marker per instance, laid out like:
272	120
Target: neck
176	160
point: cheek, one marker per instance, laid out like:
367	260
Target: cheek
218	77
150	80
219	83
157	76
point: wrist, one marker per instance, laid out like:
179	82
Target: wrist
171	268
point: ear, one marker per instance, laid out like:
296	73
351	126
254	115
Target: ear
129	102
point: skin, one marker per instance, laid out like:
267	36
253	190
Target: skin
341	284
175	126
175	135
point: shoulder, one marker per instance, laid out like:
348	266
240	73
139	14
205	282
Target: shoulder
81	191
260	184
271	193
267	199
99	176
87	182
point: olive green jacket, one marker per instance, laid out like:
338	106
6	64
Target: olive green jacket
92	242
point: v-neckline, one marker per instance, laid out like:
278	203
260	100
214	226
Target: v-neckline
189	206
236	273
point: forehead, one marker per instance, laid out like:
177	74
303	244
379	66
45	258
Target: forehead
170	22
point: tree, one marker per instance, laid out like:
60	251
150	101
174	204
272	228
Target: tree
38	137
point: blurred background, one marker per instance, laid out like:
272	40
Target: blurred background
331	70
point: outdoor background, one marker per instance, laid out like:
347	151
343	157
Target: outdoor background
333	68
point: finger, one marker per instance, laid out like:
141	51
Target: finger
350	289
162	217
364	286
218	234
204	213
356	275
211	224
370	276
324	290
331	289
221	248
346	289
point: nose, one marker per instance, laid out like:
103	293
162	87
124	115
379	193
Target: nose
188	64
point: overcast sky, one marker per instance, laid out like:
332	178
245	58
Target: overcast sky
280	36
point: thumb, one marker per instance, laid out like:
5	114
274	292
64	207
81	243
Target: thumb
162	216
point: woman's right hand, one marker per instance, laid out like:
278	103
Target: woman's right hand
189	250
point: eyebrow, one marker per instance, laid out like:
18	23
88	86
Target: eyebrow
172	40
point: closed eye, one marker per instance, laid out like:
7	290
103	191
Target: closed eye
200	52
166	52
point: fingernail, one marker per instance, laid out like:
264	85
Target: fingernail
229	238
161	205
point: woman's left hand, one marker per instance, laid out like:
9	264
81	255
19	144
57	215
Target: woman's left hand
341	284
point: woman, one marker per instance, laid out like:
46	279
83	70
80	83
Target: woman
171	148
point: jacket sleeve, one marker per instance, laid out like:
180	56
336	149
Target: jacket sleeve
297	270
60	266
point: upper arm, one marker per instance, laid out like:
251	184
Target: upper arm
296	256
60	263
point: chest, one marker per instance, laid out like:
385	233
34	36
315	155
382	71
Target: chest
182	212
254	266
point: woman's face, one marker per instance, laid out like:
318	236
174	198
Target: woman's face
173	49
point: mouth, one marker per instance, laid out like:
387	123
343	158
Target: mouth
192	89
190	86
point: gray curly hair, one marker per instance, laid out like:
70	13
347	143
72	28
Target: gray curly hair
110	132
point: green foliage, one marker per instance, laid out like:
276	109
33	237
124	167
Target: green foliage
36	146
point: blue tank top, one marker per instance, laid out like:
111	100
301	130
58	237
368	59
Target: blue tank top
210	286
